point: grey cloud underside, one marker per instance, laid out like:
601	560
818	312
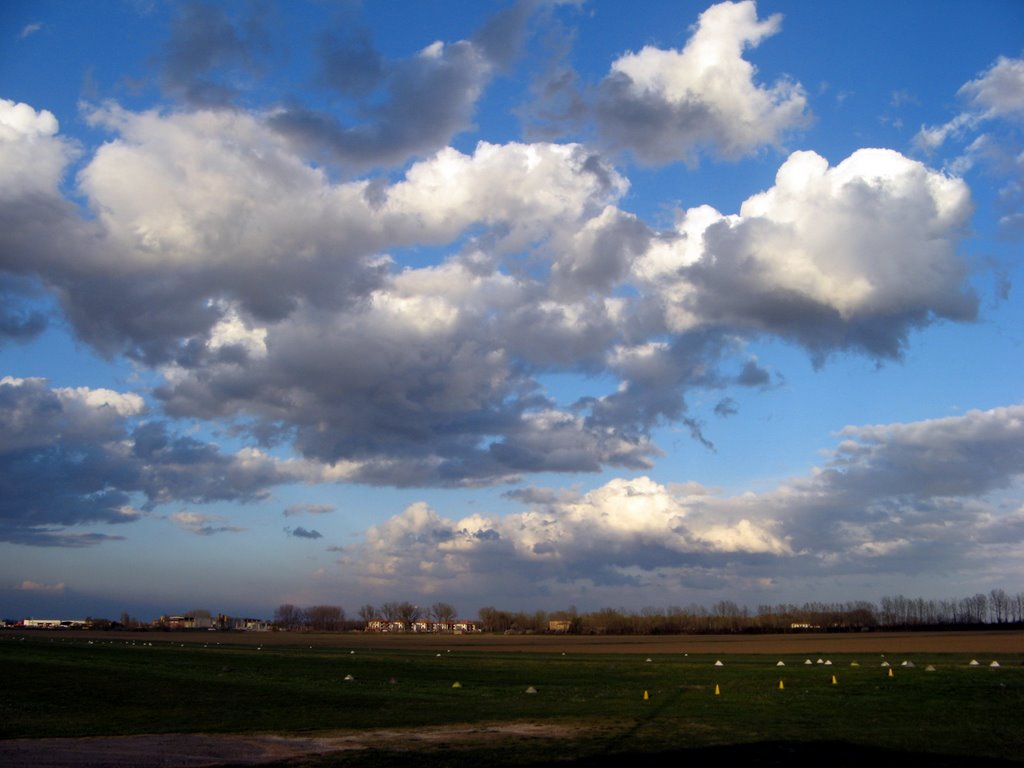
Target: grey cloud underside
726	407
429	102
896	498
753	375
646	124
52	537
395	109
66	463
814	325
204	43
19	321
502	36
302	533
183	468
735	290
658	132
401	108
348	61
162	318
903	494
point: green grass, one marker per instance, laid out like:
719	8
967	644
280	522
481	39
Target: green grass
73	688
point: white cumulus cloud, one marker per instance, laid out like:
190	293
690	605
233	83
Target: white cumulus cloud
669	105
32	154
998	93
847	256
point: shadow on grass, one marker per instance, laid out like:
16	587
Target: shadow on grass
788	754
791	754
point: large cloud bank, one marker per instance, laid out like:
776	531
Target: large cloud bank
75	456
263	290
351	286
891	498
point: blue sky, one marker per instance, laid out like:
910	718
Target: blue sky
519	304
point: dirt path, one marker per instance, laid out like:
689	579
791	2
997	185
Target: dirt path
186	750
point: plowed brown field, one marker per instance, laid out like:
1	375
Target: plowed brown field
1011	641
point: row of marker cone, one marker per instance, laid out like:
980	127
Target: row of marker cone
782	686
718	690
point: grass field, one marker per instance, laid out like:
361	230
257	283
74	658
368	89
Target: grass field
588	706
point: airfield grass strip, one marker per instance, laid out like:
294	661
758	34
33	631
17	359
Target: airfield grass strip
77	688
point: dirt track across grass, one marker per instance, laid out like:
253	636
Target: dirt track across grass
193	750
185	750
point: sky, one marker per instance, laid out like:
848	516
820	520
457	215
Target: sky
518	304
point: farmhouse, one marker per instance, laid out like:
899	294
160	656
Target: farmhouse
385	625
251	625
188	621
52	623
423	626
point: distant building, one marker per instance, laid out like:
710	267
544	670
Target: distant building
423	626
251	625
385	625
53	624
184	622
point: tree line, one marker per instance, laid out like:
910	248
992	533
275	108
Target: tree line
893	612
996	607
315	618
331	618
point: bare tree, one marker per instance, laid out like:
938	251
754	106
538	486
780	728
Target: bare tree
727	615
999	602
443	612
288	616
325	618
408	613
367	613
980	603
493	620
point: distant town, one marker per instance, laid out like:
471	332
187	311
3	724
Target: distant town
198	621
390	617
995	609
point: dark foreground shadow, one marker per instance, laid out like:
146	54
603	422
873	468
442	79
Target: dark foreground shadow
825	754
789	754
